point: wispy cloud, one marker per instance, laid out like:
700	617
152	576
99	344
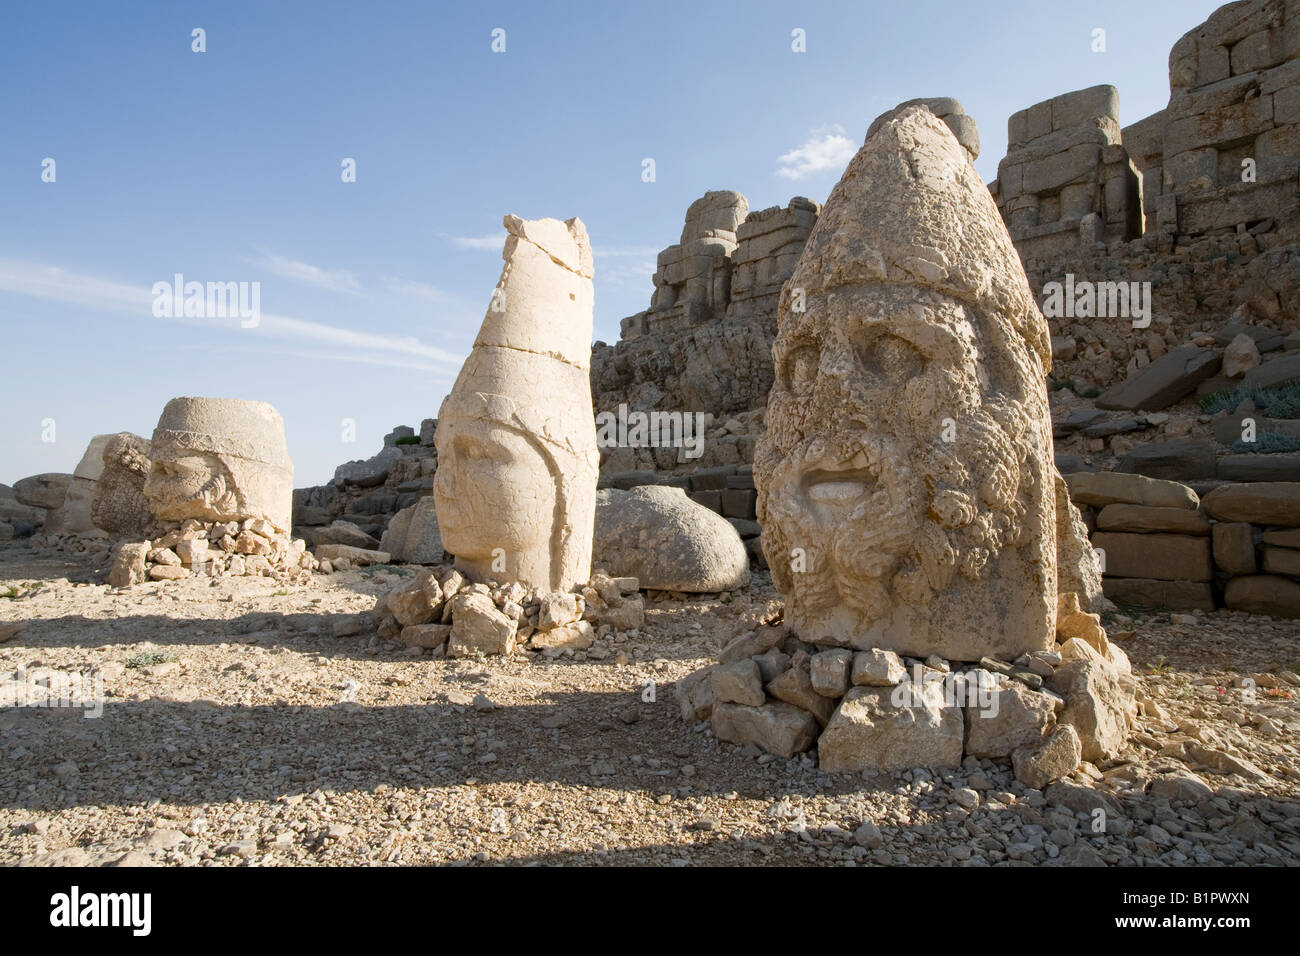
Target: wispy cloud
489	243
826	149
334	280
626	273
625	252
418	290
54	284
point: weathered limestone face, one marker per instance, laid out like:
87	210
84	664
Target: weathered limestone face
515	491
118	505
905	479
220	459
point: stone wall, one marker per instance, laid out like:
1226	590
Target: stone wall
705	343
1164	547
1067	179
1216	231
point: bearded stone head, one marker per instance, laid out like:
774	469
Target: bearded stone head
220	459
904	480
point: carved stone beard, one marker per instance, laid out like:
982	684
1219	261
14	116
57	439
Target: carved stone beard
219	493
901	541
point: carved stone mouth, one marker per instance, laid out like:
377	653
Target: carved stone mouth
830	486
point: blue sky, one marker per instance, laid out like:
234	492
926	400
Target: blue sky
224	166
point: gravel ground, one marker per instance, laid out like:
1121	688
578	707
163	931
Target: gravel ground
247	722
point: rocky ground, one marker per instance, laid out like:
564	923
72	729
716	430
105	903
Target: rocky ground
247	722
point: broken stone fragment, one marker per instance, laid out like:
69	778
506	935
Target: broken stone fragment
752	643
738	683
360	557
694	695
830	672
626	615
1014	717
165	556
771	664
877	668
128	564
777	727
192	552
168	572
477	626
794	686
1048	759
425	635
1099	700
896	728
577	636
417	601
1071	623
558	608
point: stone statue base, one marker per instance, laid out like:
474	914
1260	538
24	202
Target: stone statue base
872	710
442	614
178	550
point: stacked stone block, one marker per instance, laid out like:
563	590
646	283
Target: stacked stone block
1066	179
1163	546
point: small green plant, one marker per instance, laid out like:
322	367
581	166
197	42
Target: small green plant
149	658
1267	443
408	440
8	592
1280	402
1057	384
279	593
1161	666
1214	402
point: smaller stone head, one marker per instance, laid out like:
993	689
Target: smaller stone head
515	490
220	459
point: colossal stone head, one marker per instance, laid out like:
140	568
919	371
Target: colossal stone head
220	459
905	477
515	490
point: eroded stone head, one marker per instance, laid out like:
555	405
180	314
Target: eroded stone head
904	481
220	459
515	490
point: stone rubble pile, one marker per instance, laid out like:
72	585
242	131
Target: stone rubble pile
252	547
441	612
1214	225
876	710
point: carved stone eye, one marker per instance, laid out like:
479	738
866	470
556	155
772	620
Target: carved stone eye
801	368
889	360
